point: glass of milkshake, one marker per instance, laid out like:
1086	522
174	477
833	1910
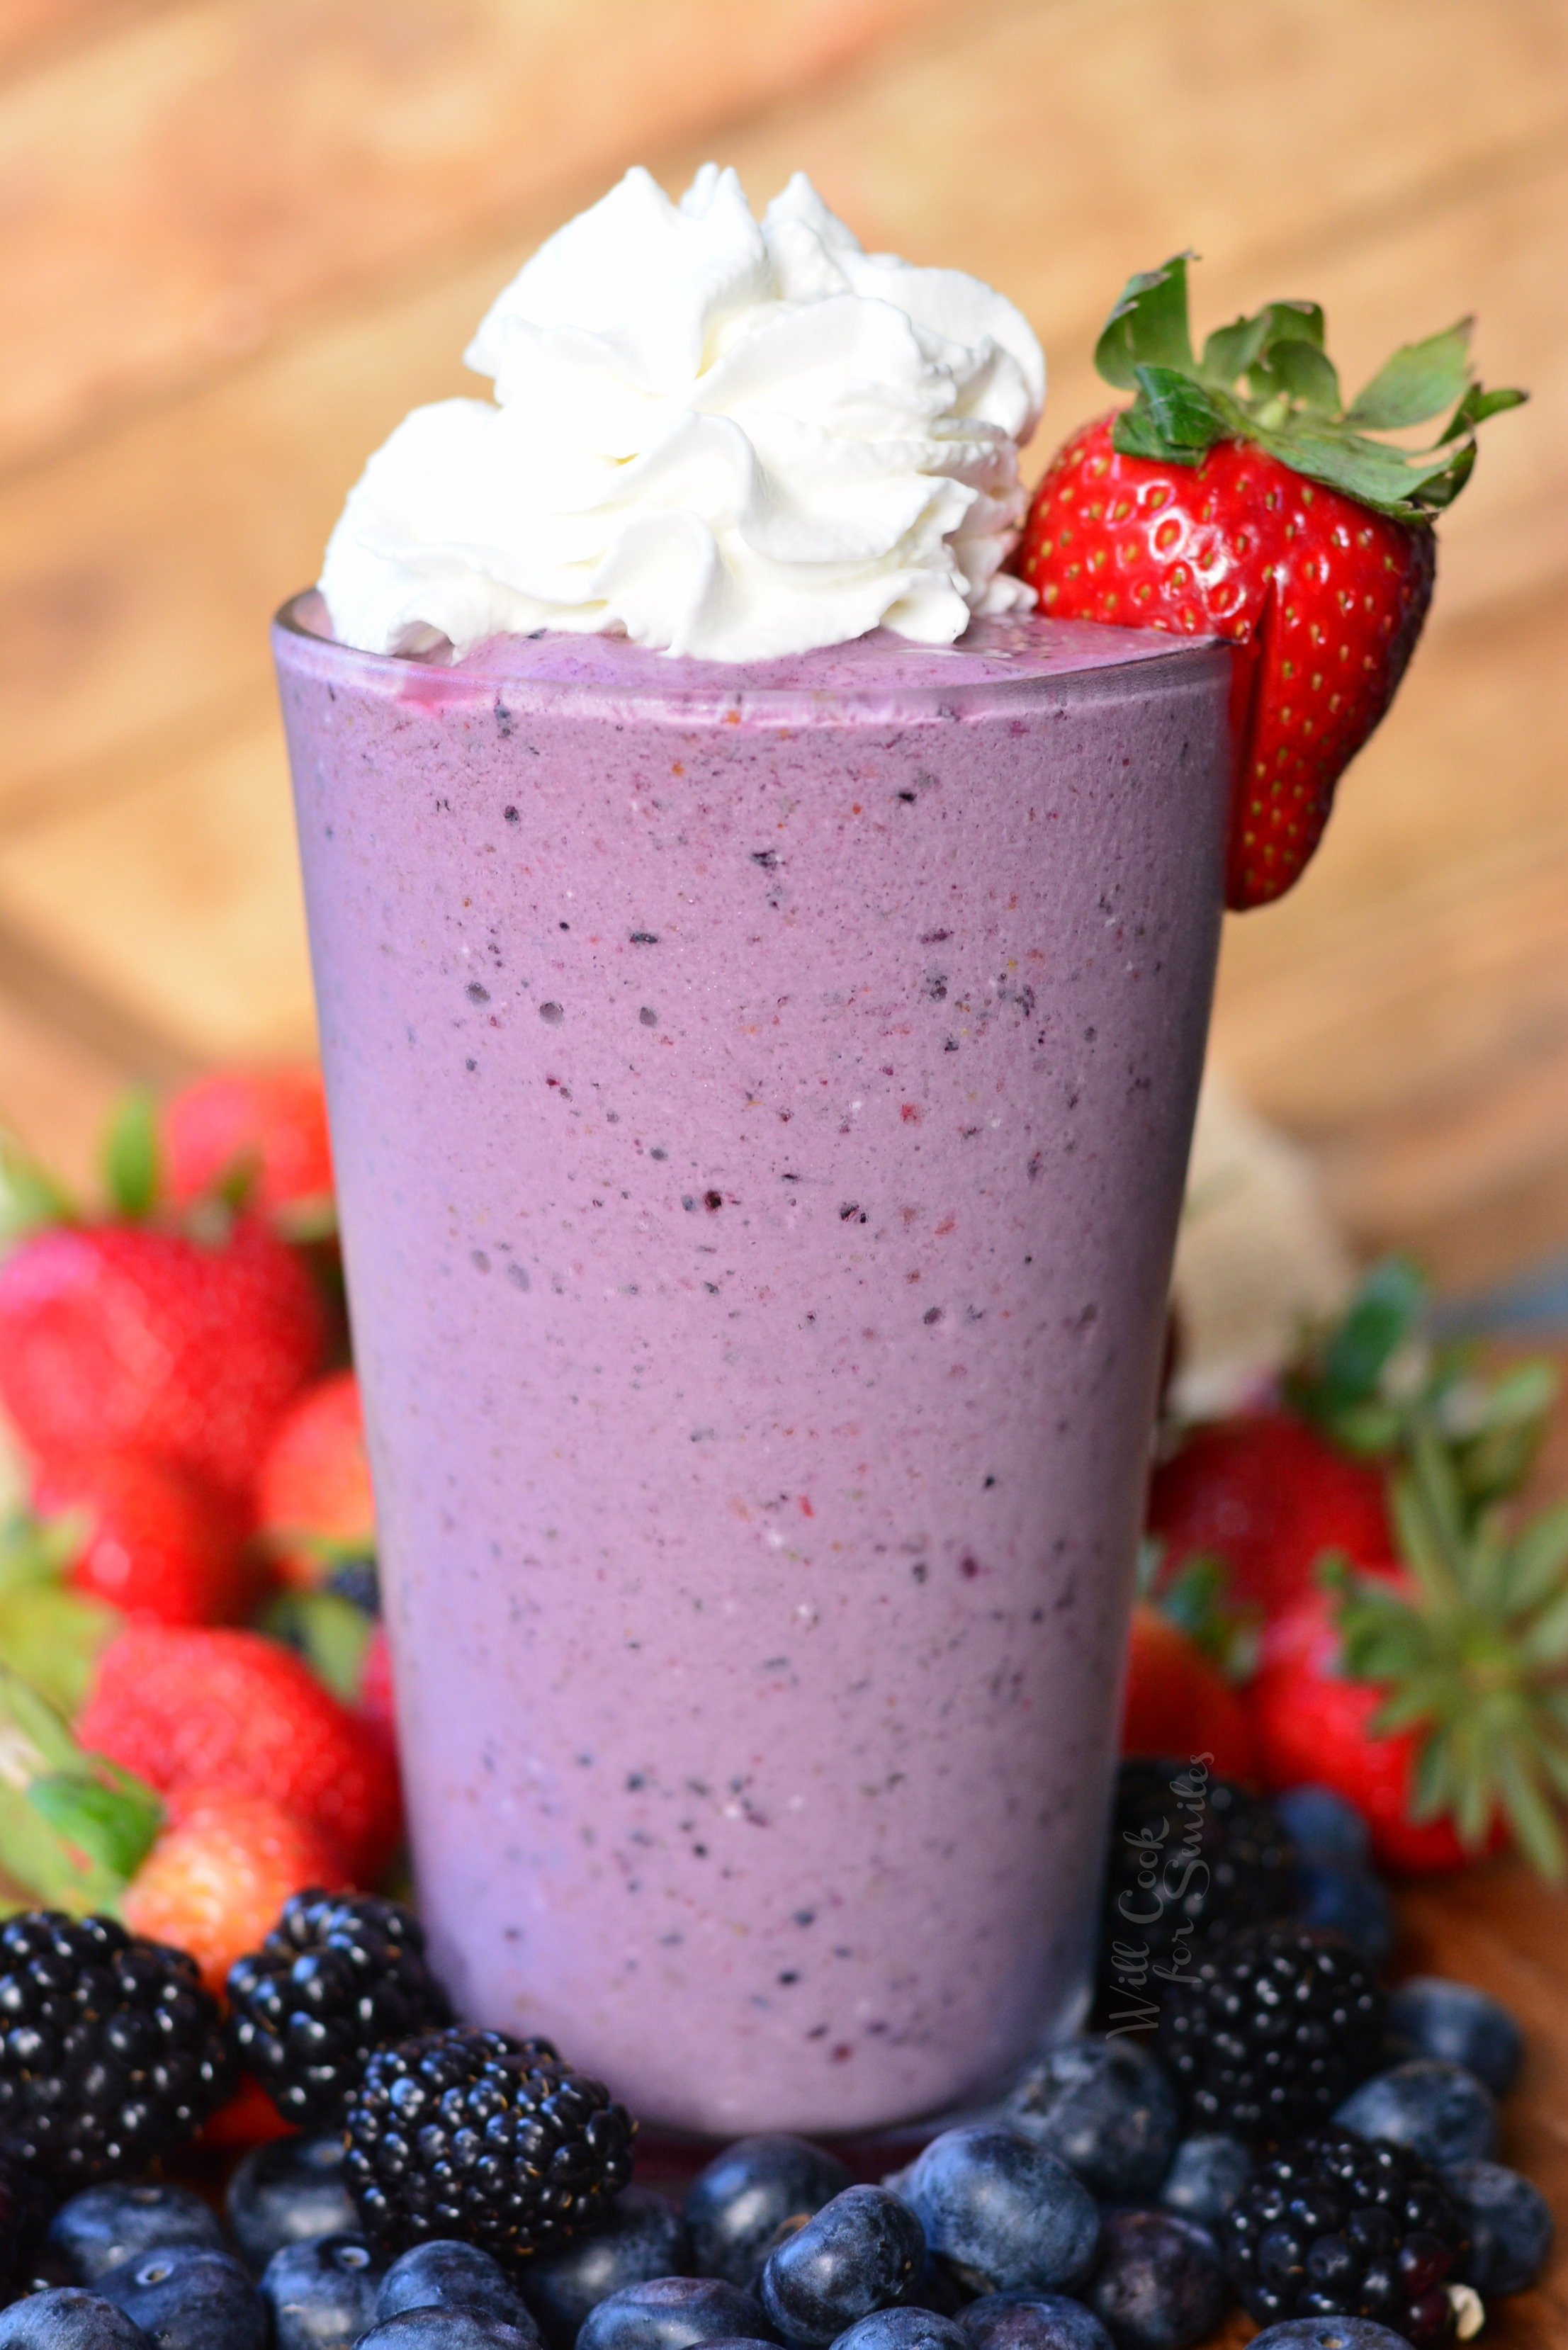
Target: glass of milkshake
763	973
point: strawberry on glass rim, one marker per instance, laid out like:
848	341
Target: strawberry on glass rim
1238	496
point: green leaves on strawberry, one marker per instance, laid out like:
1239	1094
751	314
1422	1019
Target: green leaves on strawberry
74	1827
1268	379
130	1155
1238	496
50	1635
1367	1379
30	1195
1473	1653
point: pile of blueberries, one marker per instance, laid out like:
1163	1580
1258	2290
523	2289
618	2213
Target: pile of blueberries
1077	2217
1078	2221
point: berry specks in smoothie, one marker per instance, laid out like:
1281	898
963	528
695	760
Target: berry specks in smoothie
648	1016
552	1015
477	993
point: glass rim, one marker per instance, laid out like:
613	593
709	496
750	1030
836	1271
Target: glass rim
726	693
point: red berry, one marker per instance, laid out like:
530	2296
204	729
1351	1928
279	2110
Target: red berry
314	1502
1312	1723
1178	1703
250	2119
375	1702
233	1710
125	1338
1268	1495
1324	598
160	1545
219	1873
271	1120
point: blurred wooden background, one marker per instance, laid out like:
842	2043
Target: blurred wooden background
239	238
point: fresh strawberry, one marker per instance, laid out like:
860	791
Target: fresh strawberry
155	1541
1269	1495
1311	1724
1178	1702
1431	1693
236	1710
219	1873
1269	1491
250	2119
127	1337
314	1505
1266	516
267	1123
375	1702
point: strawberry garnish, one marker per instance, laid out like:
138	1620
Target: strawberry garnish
1239	496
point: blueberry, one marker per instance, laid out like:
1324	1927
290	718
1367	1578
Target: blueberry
286	2193
642	2236
444	2273
1348	1901
445	2329
105	2225
669	2312
1160	2284
188	2298
735	2207
1206	2177
1329	2333
1438	2018
858	2253
1005	2211
1438	2110
68	2319
321	2293
903	2329
1106	2108
1033	2321
938	2288
1324	1828
1509	2225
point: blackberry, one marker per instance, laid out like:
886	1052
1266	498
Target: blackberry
337	1978
111	2054
1188	1853
494	2140
1339	2226
1271	2027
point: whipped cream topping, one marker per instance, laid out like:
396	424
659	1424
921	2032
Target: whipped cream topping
720	436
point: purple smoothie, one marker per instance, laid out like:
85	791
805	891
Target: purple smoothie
760	1097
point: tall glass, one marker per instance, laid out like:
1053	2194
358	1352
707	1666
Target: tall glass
760	1100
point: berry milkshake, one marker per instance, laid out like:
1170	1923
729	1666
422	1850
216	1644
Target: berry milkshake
763	972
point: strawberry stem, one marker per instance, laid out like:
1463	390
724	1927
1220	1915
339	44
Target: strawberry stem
1268	379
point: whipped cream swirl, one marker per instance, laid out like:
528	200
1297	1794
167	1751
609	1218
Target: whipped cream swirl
720	436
